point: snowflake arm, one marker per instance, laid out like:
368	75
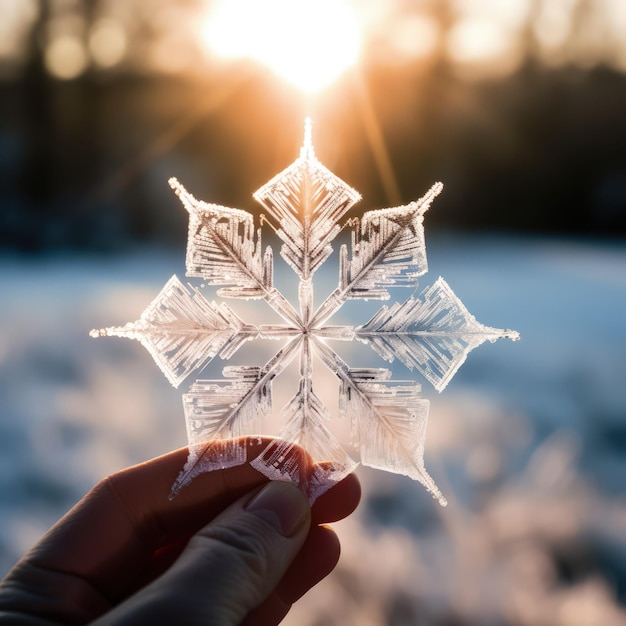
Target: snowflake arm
388	250
307	201
222	248
388	418
227	412
183	331
433	333
305	425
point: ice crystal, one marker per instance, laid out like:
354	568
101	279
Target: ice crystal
432	333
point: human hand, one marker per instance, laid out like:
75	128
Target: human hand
232	548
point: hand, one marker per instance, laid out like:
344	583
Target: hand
232	548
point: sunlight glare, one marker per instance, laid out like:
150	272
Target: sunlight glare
483	49
15	20
476	40
309	43
107	42
414	37
65	57
553	25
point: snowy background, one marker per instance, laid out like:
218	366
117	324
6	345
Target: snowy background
517	106
528	442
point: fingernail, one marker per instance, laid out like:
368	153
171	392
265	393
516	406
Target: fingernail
282	505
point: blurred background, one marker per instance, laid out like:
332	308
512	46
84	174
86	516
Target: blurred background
519	107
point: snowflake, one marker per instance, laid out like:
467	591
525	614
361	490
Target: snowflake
431	333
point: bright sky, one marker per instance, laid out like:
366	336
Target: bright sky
310	43
307	42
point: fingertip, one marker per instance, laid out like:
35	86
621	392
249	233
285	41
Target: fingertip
283	506
338	502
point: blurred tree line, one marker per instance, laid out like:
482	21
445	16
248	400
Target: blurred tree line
85	158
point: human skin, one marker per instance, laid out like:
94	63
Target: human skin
229	549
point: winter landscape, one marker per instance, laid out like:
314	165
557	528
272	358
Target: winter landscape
527	441
517	107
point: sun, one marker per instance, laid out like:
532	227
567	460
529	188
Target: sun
309	43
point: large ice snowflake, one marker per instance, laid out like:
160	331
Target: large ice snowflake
432	333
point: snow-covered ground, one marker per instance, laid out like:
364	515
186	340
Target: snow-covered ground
528	442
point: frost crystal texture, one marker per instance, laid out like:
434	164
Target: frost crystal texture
432	333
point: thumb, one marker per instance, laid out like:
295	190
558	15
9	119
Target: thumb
229	567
